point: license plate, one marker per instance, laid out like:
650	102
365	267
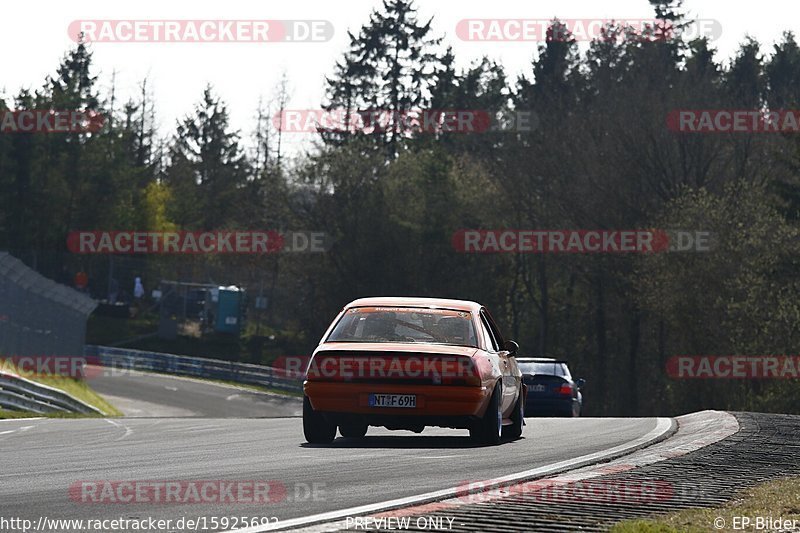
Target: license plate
393	400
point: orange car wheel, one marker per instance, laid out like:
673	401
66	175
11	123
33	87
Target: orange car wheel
316	429
489	429
514	431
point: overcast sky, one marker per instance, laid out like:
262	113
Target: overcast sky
241	72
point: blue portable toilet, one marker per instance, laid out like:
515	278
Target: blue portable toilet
229	310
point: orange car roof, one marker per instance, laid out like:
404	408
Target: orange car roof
436	303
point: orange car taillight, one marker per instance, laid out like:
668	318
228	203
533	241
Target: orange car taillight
466	374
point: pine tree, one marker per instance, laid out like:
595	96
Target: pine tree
389	68
208	166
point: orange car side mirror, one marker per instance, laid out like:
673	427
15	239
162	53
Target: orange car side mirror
511	347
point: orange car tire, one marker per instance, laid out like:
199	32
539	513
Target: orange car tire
316	429
489	429
514	431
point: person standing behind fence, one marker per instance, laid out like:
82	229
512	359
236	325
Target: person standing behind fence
138	289
81	281
138	293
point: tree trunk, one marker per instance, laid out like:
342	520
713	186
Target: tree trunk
602	344
634	337
544	320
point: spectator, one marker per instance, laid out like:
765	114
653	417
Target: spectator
138	289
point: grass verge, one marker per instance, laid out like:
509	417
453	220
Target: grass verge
77	388
778	499
10	415
4	413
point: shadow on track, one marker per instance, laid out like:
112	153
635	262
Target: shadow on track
419	442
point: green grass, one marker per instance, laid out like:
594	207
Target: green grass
80	390
5	414
105	330
776	499
139	334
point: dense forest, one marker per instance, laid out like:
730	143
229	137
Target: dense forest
599	157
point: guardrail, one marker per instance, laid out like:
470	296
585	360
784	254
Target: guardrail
182	365
25	395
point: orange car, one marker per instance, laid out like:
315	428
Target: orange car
407	363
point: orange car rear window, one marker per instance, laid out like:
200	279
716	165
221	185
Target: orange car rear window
405	325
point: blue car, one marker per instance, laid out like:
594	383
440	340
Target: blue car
551	390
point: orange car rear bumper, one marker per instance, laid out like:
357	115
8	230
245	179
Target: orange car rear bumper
432	400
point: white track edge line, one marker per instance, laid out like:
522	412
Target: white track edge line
665	427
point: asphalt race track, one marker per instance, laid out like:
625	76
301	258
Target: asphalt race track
139	394
51	455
